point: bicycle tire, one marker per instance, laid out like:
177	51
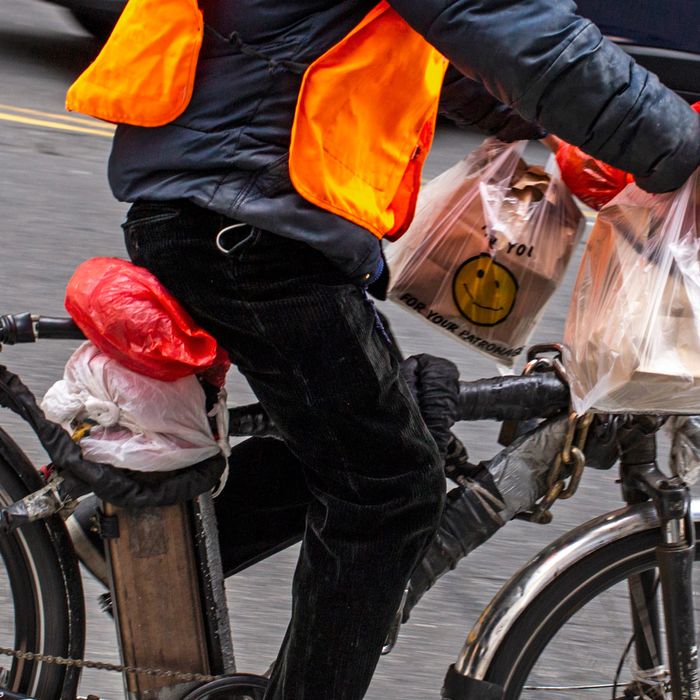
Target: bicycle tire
557	603
41	590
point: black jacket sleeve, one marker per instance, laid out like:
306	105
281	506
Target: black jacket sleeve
468	104
555	68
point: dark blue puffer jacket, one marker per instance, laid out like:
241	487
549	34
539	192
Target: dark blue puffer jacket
229	150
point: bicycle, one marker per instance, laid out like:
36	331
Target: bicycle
650	544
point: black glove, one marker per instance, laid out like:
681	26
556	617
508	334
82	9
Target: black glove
434	382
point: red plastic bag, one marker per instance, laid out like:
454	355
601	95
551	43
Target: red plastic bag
128	314
594	182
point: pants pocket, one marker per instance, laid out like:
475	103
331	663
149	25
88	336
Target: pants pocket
144	213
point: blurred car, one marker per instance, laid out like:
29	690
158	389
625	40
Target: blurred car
662	35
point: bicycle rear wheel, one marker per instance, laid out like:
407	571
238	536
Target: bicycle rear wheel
575	639
41	601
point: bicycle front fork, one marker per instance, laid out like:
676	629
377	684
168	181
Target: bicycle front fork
642	480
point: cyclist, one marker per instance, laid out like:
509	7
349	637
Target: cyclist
265	168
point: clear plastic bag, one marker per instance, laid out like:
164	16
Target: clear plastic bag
633	329
141	423
488	246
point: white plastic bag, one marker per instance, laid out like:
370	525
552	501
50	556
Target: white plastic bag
143	423
488	246
633	328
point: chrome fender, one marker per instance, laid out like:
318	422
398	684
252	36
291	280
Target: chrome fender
519	592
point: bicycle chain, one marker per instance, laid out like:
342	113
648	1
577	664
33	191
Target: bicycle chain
571	457
103	666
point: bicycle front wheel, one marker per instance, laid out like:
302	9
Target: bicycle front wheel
575	640
41	602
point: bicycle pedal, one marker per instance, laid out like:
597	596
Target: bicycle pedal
393	633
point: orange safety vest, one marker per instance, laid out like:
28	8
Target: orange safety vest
144	74
365	114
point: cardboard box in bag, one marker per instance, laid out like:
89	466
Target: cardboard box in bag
633	332
496	262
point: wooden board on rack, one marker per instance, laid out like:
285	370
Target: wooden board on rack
158	606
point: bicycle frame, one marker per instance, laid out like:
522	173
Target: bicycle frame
641	480
655	501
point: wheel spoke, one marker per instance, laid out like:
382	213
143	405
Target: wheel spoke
590	686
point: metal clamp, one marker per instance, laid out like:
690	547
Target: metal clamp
107	525
537	363
220	238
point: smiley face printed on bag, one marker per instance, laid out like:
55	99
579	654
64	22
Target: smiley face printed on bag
484	290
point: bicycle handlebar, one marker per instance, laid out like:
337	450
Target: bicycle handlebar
28	328
540	395
58	329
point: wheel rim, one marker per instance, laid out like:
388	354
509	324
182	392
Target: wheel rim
585	659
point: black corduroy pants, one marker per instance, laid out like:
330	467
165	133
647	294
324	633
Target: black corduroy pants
307	340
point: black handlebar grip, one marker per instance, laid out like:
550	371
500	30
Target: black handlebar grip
513	398
17	328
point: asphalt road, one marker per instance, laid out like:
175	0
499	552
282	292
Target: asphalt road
56	210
